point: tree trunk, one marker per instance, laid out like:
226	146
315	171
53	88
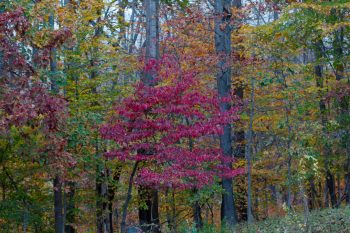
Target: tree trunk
70	216
128	198
149	216
331	187
110	197
58	204
312	194
327	151
223	50
53	60
344	101
101	202
197	215
57	182
152	39
121	23
347	181
102	220
338	50
112	189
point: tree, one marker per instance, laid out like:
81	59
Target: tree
223	48
142	124
149	216
27	103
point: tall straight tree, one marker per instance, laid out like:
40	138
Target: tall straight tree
223	49
149	216
57	183
330	185
239	91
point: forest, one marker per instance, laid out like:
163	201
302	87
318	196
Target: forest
174	116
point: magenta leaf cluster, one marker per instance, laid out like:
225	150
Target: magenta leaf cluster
26	100
168	127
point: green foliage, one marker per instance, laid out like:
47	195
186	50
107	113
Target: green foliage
325	221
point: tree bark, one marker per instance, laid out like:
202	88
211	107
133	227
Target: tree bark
112	189
102	220
197	215
223	50
58	204
149	216
152	39
101	202
70	216
128	198
122	24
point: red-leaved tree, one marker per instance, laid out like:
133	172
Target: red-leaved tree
169	128
25	99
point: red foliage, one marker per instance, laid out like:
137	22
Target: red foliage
25	100
168	126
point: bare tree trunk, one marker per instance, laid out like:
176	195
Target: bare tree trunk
223	50
197	214
58	204
152	38
312	194
101	201
133	34
102	220
112	189
128	198
70	216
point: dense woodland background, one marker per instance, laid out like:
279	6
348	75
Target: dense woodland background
174	116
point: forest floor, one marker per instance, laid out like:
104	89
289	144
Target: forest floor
321	221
